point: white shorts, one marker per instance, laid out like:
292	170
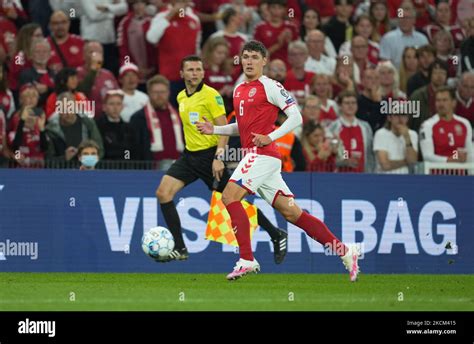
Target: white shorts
261	174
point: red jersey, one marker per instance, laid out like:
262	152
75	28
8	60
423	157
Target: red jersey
8	30
72	50
256	105
18	63
236	41
7	103
30	147
299	88
268	35
217	80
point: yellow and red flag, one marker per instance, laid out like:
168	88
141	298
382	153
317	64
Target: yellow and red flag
219	227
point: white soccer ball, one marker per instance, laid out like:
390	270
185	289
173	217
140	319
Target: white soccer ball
158	242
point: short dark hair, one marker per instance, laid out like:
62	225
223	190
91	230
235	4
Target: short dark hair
283	3
254	45
448	89
87	144
346	94
228	13
343	2
427	48
439	64
190	58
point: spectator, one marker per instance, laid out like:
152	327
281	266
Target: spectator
444	46
154	143
426	56
339	28
67	50
467	48
298	81
65	81
7	39
443	23
343	78
311	21
14	11
319	151
132	43
317	62
218	68
4	151
97	24
394	42
178	36
324	8
425	13
446	137
27	137
133	99
277	70
72	8
378	14
425	95
248	17
95	80
359	52
7	102
311	111
116	134
355	134
88	154
68	130
395	146
289	146
277	32
408	67
39	74
465	97
368	101
389	81
22	56
363	27
328	107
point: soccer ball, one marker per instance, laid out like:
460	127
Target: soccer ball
158	242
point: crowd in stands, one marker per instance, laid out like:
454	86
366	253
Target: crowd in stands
381	84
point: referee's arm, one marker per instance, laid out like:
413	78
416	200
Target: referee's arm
217	164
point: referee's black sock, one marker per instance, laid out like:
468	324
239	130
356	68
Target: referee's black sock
174	224
265	223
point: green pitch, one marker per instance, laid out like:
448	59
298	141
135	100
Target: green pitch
175	292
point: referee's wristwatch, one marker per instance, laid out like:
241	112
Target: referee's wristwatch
219	157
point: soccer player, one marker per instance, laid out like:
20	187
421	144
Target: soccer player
257	101
202	158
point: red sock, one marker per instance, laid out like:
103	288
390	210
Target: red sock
317	230
241	223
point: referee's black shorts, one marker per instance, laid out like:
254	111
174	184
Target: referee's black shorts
192	166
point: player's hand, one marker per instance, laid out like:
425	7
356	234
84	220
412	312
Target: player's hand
217	169
261	140
206	127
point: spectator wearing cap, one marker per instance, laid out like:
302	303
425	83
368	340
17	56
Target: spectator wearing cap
65	80
339	28
68	130
98	24
158	128
426	56
134	99
88	155
95	81
176	31
117	135
39	74
394	42
425	95
131	40
67	50
395	146
298	81
317	62
465	97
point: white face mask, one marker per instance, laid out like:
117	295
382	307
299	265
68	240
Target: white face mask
151	10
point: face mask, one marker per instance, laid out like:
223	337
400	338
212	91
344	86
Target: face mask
89	160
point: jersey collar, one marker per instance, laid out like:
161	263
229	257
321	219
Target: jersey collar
197	89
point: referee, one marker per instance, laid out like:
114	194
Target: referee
200	159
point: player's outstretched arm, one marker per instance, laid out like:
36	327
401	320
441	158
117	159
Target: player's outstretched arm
207	128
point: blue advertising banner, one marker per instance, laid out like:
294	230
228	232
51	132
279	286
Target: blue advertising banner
65	220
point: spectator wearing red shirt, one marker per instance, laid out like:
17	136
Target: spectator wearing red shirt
444	46
359	52
177	31
443	22
329	111
425	13
67	50
465	97
218	68
318	151
298	81
277	32
378	14
446	137
39	74
132	43
96	80
356	136
7	103
7	39
22	57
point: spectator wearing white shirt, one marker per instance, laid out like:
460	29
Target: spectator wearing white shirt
133	99
395	146
317	62
394	42
97	24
